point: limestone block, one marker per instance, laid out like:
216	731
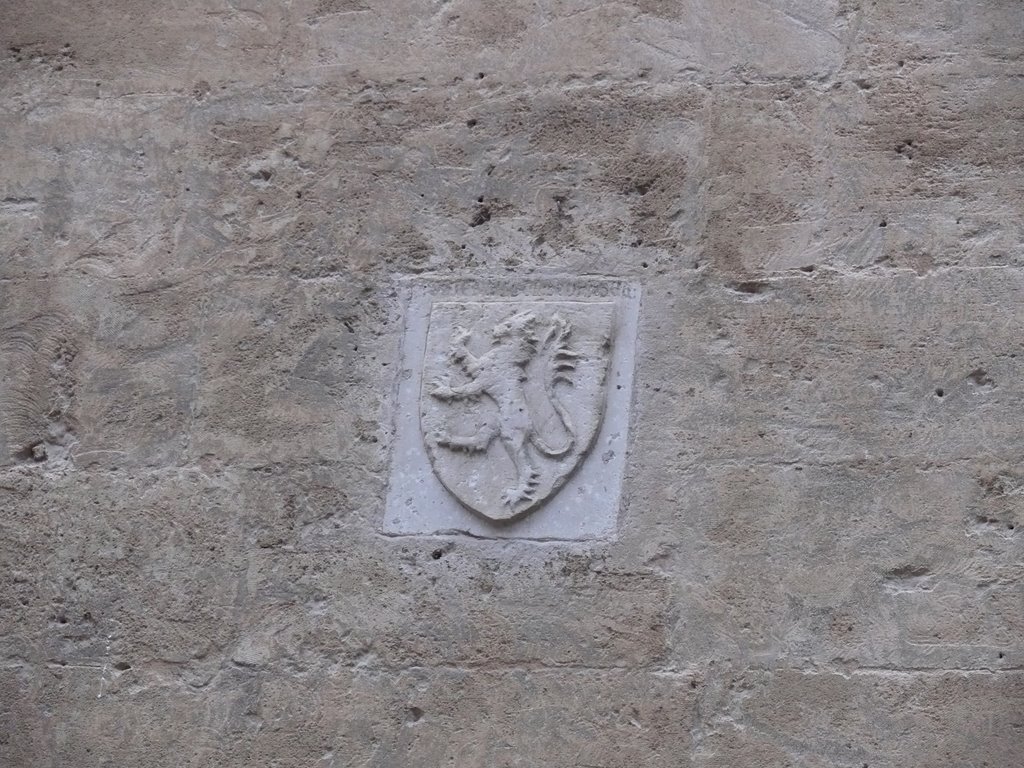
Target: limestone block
524	44
448	603
114	572
187	45
422	716
861	565
118	212
99	372
831	367
821	719
307	360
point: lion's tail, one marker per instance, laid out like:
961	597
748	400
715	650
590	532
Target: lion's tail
547	450
561	362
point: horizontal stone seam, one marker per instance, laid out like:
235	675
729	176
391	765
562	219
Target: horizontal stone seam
684	674
689	77
883	671
900	462
792	274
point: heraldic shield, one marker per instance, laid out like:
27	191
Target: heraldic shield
513	396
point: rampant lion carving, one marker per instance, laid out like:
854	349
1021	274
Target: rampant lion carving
500	374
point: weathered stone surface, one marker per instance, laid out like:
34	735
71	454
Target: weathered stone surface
197	570
898	567
793	717
120	570
428	716
208	212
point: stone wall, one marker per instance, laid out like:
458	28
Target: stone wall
208	209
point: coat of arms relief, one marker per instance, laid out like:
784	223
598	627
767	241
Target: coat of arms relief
513	394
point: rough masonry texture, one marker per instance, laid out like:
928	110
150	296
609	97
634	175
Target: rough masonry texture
210	211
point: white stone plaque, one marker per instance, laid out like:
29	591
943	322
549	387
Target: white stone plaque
512	408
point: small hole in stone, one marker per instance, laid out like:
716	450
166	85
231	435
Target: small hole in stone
471	122
415	713
883	223
35	452
122	665
437	554
481	216
644	264
940	392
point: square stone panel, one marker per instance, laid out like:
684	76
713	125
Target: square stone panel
512	408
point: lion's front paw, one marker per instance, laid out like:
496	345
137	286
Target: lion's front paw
457	349
441	389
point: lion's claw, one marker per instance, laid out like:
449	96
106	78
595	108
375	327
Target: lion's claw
441	389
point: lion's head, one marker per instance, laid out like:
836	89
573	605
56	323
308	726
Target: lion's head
520	329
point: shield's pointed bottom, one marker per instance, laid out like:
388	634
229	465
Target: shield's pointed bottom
507	515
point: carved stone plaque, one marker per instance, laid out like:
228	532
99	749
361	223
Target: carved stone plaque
512	408
512	398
